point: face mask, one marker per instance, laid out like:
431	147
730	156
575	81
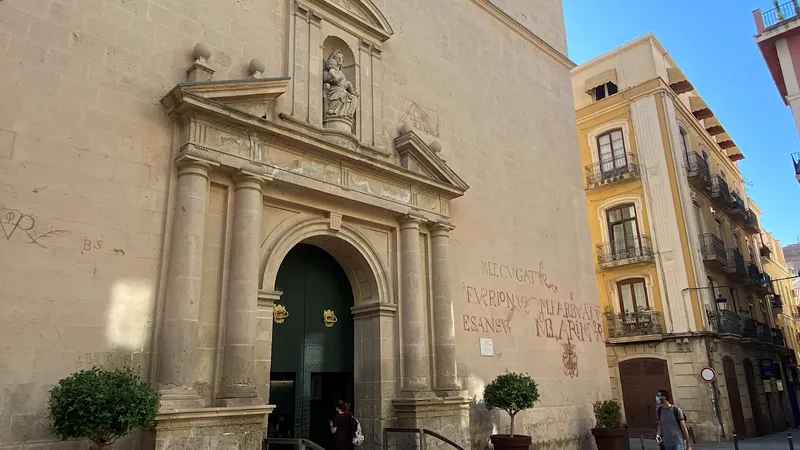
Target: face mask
658	399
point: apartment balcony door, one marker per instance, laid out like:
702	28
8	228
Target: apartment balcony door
623	230
611	148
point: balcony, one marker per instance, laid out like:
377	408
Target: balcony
713	250
697	171
737	208
725	322
789	359
796	162
749	328
776	302
624	252
611	171
765	333
765	288
751	222
720	193
782	13
736	268
635	325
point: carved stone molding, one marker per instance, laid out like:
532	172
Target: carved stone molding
359	16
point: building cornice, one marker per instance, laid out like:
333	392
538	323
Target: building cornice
522	30
632	94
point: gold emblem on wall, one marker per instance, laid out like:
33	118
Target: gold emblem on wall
279	314
329	317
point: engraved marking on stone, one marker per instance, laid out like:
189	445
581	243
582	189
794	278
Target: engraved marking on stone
329	317
335	221
89	244
279	314
570	359
14	222
420	117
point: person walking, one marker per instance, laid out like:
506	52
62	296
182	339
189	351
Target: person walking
341	428
671	431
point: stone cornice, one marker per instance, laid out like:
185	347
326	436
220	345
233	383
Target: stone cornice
188	102
368	21
524	32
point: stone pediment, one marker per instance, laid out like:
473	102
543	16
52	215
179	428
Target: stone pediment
359	13
254	96
417	156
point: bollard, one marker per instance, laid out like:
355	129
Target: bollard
735	441
641	439
789	437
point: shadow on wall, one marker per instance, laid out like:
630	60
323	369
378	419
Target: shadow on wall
482	422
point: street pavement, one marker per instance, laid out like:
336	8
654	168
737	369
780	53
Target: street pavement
777	441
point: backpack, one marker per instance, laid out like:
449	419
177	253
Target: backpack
674	412
358	435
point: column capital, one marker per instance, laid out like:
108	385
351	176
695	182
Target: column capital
410	221
247	179
441	228
190	164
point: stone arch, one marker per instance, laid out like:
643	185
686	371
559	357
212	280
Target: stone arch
365	270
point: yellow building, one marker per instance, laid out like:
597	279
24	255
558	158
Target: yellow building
784	296
679	271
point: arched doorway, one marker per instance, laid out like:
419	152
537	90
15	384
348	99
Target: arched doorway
750	379
641	378
312	343
734	399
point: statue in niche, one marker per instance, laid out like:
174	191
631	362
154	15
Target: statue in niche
340	98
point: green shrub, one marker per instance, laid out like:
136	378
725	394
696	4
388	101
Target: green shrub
608	414
101	405
511	392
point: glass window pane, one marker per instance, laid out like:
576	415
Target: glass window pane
615	215
641	296
627	297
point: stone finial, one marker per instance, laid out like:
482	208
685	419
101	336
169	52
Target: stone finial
200	70
201	52
257	68
405	129
435	146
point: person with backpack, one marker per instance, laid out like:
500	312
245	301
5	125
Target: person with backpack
345	428
671	431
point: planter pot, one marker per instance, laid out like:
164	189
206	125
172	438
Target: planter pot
506	442
609	438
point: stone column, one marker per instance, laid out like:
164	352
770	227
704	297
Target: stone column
182	309
415	356
238	368
444	324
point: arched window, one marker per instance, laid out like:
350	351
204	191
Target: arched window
632	295
611	151
684	141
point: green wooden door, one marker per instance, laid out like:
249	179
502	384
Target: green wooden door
304	344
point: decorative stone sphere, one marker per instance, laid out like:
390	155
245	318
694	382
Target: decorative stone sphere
257	66
202	51
405	129
435	146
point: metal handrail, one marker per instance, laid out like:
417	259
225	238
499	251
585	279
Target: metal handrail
301	443
624	249
422	432
612	168
777	15
713	248
696	166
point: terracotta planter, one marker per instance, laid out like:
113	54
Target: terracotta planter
506	442
609	438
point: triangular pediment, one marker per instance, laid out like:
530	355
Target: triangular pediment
359	12
417	156
254	96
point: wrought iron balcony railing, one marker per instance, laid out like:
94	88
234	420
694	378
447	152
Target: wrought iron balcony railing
777	338
749	328
634	324
751	222
725	322
736	267
720	192
697	170
611	170
713	249
737	208
784	12
765	333
754	273
796	162
625	251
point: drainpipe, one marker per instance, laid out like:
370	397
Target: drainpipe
714	396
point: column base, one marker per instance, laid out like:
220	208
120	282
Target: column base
238	396
448	416
450	392
176	398
215	428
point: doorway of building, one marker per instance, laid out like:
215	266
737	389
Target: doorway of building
312	344
734	399
641	378
752	392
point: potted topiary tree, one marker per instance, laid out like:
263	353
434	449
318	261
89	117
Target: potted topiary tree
101	405
511	392
609	433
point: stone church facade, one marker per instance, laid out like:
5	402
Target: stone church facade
269	206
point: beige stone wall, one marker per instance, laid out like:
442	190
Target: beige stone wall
85	176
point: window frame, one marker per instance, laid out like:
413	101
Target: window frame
613	160
631	282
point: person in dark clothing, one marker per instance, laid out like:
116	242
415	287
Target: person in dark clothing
341	428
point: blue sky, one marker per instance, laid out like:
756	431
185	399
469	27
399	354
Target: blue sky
712	42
